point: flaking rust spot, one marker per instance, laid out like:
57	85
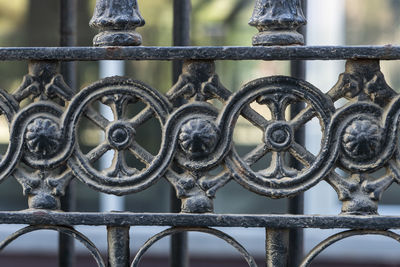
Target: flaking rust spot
40	213
111	51
387	50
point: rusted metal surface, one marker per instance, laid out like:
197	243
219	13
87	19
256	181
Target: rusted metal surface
388	52
179	256
277	247
45	217
118	246
198	116
68	36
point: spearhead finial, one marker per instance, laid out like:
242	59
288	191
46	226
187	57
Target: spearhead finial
117	21
277	22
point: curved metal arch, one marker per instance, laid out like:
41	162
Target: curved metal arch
230	240
340	236
8	107
320	166
61	229
78	162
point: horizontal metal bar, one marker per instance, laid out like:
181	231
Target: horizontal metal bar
44	217
387	52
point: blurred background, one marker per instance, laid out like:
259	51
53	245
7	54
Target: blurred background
214	23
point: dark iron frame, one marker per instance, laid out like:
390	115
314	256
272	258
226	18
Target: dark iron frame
360	137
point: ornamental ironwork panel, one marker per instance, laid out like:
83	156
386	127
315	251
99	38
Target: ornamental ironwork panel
197	116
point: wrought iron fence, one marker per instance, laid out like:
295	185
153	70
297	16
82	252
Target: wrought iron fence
44	156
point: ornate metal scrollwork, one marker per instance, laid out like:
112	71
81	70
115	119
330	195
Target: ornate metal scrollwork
197	122
366	129
120	136
279	179
198	136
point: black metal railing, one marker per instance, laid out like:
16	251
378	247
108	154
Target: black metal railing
44	156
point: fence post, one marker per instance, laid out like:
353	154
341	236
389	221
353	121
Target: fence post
118	246
277	247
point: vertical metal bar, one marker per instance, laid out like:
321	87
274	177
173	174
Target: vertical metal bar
277	247
68	32
181	37
66	246
179	242
296	204
296	236
181	31
118	246
68	22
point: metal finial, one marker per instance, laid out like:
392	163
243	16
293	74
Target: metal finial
277	21
117	21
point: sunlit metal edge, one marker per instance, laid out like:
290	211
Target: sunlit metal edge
387	52
44	217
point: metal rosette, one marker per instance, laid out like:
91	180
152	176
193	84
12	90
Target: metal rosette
194	133
119	136
40	131
8	108
362	139
37	137
278	135
194	128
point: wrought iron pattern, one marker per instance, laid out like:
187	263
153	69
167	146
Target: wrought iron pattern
248	258
62	229
359	137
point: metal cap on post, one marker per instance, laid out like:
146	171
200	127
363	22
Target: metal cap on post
277	21
117	21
